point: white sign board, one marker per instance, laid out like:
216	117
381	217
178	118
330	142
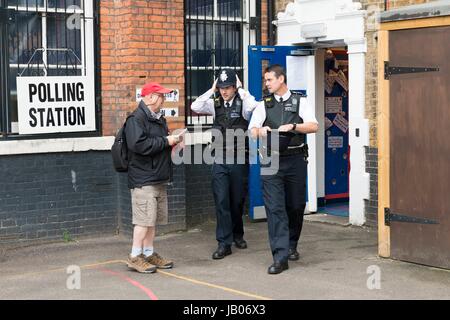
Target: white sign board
340	122
335	142
333	104
169	112
296	68
174	96
55	104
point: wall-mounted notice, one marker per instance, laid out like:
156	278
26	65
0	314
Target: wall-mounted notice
340	122
333	104
55	104
335	142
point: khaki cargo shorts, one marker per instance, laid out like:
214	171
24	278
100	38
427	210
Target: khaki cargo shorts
149	205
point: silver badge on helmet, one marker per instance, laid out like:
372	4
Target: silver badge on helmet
223	76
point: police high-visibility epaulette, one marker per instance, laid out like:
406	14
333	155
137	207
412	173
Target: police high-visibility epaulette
217	102
268	101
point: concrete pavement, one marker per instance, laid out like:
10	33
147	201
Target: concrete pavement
337	262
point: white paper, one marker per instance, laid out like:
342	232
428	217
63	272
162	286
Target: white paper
333	104
328	123
342	80
340	122
335	142
330	79
296	67
169	112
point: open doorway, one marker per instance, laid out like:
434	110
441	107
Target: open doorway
336	142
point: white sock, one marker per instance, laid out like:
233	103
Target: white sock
148	251
136	252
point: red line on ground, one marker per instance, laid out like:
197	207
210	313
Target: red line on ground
135	283
336	196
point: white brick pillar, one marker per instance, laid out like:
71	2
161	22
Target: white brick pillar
358	131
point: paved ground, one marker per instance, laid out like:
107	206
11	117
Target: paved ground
334	265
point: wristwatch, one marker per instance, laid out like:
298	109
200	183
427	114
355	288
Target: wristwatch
294	125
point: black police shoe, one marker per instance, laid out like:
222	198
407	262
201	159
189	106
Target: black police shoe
240	243
293	254
221	252
278	267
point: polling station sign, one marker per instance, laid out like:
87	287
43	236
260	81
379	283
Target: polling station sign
55	104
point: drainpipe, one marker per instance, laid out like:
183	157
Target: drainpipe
271	17
5	19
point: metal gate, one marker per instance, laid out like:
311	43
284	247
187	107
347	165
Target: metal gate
418	71
42	38
215	39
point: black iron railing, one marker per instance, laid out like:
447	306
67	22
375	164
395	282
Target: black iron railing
214	32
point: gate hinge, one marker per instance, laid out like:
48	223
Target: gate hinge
391	216
388	70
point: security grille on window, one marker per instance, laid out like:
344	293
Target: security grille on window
51	67
214	39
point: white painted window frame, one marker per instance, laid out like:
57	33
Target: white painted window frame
86	38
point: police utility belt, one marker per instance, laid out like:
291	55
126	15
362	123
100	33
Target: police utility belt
293	150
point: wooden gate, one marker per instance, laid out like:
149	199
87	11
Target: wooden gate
414	145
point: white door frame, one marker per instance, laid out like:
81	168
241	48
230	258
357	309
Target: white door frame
334	23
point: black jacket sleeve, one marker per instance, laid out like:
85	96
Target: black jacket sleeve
139	142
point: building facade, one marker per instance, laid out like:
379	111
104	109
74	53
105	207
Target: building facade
58	179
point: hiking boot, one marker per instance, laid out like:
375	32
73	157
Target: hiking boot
140	264
158	261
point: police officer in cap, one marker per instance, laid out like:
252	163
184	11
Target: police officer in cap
229	104
284	192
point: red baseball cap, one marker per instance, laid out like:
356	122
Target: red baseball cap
153	87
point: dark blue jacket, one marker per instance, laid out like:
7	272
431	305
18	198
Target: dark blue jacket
148	149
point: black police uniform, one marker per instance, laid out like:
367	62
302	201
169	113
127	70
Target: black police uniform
229	177
284	192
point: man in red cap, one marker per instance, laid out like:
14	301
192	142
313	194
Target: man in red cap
149	170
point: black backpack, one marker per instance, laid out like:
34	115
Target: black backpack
119	150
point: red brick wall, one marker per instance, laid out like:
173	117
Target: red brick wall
264	23
140	41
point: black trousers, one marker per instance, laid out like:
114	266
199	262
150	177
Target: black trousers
229	186
284	200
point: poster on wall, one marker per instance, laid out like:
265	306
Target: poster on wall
342	80
55	104
296	72
340	122
328	123
333	104
330	79
335	142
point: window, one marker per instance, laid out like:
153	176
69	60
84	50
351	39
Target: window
215	39
47	38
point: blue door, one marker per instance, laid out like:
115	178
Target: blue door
336	124
260	57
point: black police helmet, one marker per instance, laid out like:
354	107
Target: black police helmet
227	77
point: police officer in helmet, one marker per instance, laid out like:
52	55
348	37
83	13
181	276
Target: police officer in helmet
230	105
284	191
